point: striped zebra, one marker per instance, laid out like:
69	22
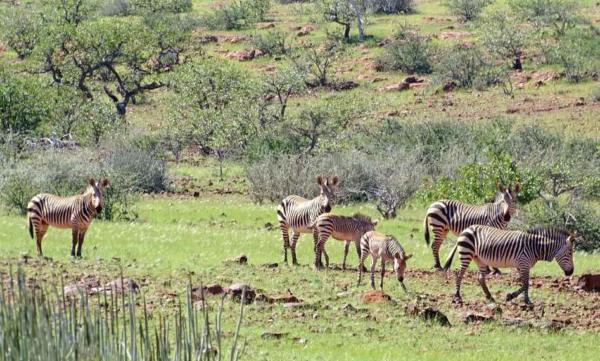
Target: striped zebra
386	247
300	213
75	212
343	228
455	216
493	247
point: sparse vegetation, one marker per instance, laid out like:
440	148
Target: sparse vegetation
409	52
467	10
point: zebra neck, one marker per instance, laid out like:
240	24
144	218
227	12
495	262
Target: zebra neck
320	200
546	249
393	248
89	205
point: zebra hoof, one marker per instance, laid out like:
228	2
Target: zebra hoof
457	300
510	297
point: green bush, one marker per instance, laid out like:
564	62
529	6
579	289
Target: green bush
22	32
460	65
467	10
391	6
272	42
409	52
238	14
23	103
578	53
558	15
568	214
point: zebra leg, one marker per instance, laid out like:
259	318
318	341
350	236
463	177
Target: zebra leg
483	272
286	239
295	236
459	276
75	240
80	242
358	251
346	246
382	273
497	272
373	264
361	267
524	276
40	232
439	236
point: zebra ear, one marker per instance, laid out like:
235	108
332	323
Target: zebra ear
572	237
105	183
499	186
407	257
334	180
92	182
375	222
320	180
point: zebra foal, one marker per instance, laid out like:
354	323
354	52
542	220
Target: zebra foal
449	215
386	247
343	228
493	247
299	214
75	212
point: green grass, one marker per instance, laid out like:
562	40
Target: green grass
176	236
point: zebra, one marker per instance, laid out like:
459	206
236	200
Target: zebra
489	246
386	247
343	228
299	213
75	212
455	216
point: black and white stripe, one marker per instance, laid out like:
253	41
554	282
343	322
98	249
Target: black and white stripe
299	213
493	247
343	228
75	212
449	215
386	247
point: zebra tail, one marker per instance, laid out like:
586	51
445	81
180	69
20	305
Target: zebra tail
426	229
450	258
30	226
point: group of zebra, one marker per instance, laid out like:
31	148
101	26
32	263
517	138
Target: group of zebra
481	231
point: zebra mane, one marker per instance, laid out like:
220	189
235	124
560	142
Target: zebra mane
497	198
361	218
552	232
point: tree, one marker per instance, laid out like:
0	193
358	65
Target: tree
23	106
22	31
121	57
278	88
316	62
504	36
219	103
344	12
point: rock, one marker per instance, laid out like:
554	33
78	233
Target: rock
244	54
449	86
376	296
432	315
241	259
271	265
269	226
453	35
589	282
343	85
287	297
472	317
265	25
71	290
276	335
232	38
208	39
237	289
295	305
512	110
300	340
580	102
196	194
412	79
539	83
395	87
305	30
412	309
199	292
118	285
349	308
493	309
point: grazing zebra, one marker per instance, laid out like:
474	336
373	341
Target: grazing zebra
343	228
300	213
455	216
386	247
493	247
75	212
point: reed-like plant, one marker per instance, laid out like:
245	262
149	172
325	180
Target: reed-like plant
37	324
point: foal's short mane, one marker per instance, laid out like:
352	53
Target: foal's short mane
552	232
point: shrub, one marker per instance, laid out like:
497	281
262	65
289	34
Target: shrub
22	32
23	104
409	52
238	14
461	66
560	15
571	215
131	168
578	53
504	36
271	42
596	95
467	10
316	62
391	6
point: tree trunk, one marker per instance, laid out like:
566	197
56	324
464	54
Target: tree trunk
517	65
347	32
359	22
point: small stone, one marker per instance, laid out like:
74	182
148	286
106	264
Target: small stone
432	315
472	317
276	335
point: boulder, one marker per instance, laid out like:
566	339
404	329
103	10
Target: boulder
375	296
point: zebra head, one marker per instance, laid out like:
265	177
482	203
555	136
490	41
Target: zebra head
96	191
564	256
400	258
327	194
508	196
